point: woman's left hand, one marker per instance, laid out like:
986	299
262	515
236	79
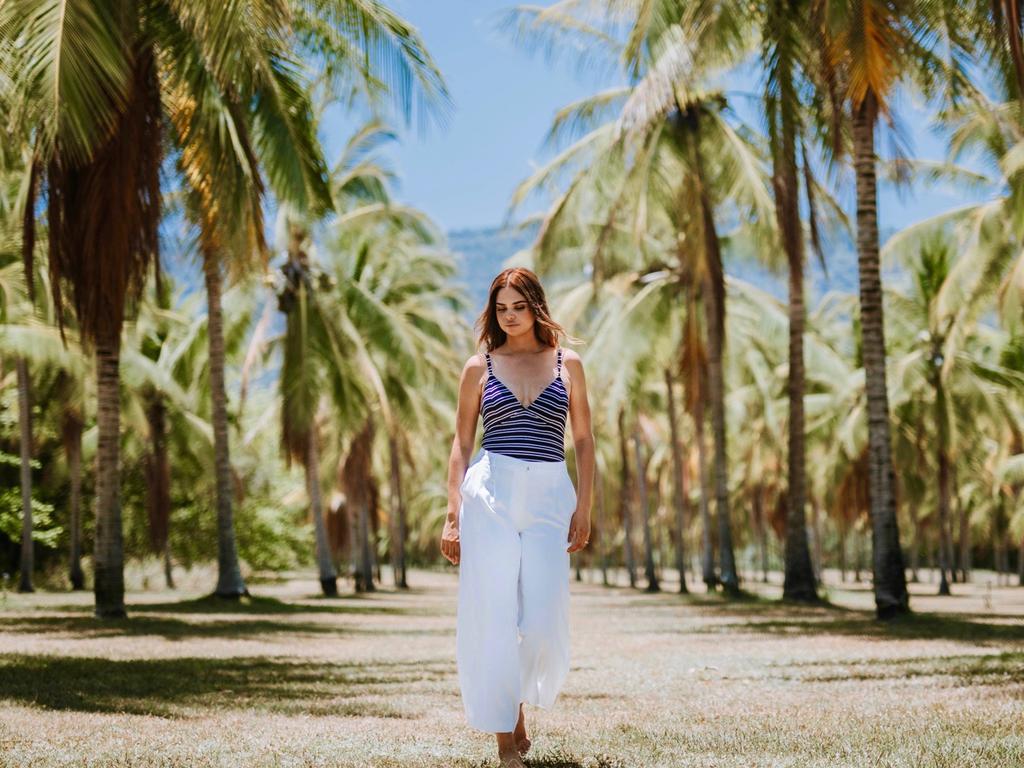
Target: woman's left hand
579	531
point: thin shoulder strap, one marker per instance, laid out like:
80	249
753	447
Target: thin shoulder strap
490	371
559	361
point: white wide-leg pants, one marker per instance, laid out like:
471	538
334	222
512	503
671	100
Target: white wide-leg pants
512	626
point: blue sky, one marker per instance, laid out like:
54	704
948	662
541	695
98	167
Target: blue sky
463	175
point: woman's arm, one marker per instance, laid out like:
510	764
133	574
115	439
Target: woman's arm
467	412
583	441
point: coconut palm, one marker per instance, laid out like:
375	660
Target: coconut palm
867	46
228	90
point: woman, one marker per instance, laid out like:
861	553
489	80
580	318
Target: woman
513	515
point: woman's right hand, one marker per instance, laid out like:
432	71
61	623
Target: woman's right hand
450	541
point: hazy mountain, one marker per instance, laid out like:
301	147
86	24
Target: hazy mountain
482	254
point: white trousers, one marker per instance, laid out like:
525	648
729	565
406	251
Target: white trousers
512	626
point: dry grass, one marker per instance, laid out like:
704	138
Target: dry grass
290	679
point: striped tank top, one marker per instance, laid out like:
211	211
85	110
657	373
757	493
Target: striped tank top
532	433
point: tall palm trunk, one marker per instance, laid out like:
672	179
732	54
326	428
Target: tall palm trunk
229	576
964	538
942	461
398	523
679	476
842	526
324	559
158	484
716	394
626	500
817	554
25	424
799	583
73	450
707	532
600	524
641	481
762	531
108	555
355	475
890	584
714	303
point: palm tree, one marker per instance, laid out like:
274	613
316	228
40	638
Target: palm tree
679	475
193	67
302	382
641	476
943	367
867	46
784	50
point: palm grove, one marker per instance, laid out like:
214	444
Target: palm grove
883	425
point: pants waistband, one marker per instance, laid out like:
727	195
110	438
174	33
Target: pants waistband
514	465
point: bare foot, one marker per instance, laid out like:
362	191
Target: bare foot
522	740
507	754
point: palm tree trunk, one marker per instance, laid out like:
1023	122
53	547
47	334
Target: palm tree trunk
842	525
626	500
707	532
365	550
398	531
817	558
964	539
889	581
73	449
229	576
1010	10
762	531
916	543
108	555
799	581
942	449
641	479
679	475
944	546
600	523
325	563
715	304
158	483
25	424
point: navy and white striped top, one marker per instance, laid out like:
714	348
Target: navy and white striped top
535	432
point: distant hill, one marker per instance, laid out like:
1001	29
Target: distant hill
483	252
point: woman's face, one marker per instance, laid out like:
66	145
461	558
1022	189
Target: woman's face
513	311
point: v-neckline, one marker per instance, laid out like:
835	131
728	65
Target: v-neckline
532	402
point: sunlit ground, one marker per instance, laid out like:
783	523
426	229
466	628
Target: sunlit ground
290	679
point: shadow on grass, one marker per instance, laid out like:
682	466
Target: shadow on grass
560	760
270	605
995	669
191	686
915	626
173	628
756	614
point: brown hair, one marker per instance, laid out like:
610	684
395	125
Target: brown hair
527	283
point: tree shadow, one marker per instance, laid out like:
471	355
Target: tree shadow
772	616
187	686
914	626
211	604
169	627
991	669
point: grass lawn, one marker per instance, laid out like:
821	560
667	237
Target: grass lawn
291	679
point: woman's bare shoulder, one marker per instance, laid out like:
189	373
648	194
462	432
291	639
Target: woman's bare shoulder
571	356
476	364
